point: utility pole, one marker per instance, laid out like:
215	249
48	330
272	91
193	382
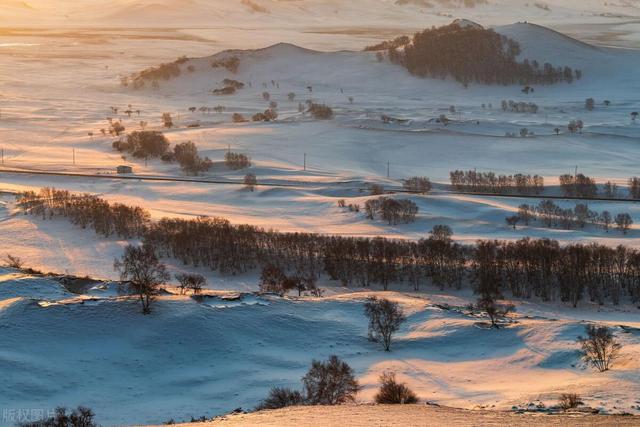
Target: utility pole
2	155
305	161
388	169
74	156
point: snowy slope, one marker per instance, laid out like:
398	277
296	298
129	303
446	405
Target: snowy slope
190	359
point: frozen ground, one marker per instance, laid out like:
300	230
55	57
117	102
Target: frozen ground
59	83
216	356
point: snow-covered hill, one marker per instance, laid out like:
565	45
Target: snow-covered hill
190	358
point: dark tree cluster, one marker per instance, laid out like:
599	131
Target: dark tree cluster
186	154
399	41
544	269
269	115
578	186
274	280
143	144
392	210
549	214
215	243
519	107
489	182
231	63
417	184
320	111
86	210
226	90
166	71
236	161
471	54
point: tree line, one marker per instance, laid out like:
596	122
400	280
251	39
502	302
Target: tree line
87	211
541	268
549	214
489	182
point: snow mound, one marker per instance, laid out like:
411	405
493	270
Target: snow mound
546	45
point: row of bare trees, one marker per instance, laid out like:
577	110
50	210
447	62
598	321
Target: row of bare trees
549	214
489	182
527	268
87	211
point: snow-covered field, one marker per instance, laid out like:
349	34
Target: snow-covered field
60	80
191	359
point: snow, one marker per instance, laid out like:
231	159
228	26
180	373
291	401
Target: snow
59	81
192	359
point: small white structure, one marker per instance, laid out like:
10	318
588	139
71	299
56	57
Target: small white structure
124	169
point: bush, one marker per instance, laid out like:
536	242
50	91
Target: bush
281	397
394	393
236	161
269	115
569	401
80	417
238	118
320	111
330	383
599	347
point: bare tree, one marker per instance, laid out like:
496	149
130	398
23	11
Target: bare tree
330	383
385	318
194	282
599	347
569	401
140	266
13	261
624	222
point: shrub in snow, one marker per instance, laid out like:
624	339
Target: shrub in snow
392	392
13	261
320	111
80	417
330	383
599	347
385	318
281	397
569	401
